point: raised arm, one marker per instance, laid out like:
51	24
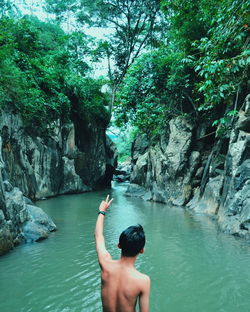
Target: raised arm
144	296
102	252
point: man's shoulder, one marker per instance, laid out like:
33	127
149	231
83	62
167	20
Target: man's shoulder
109	264
143	282
142	277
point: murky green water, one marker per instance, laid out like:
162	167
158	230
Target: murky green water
193	267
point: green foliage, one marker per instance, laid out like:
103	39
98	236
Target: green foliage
196	62
88	102
134	24
42	71
215	37
155	89
203	69
7	8
61	9
186	21
224	123
224	59
123	141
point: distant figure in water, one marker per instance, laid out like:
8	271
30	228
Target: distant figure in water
122	284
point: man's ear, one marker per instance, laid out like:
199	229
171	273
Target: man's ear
142	251
119	246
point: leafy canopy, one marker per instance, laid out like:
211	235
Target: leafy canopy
133	25
202	71
44	75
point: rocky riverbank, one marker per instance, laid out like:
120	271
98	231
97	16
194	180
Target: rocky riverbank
190	167
71	158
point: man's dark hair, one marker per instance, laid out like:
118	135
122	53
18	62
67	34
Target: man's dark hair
132	240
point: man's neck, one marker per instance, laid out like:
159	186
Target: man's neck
128	261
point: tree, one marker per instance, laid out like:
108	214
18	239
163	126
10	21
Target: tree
135	24
7	8
41	76
224	57
203	70
156	88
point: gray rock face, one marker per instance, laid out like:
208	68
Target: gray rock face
38	224
122	172
135	190
71	158
57	163
19	221
96	160
188	167
6	238
164	168
235	200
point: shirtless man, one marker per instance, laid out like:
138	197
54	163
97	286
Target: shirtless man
122	284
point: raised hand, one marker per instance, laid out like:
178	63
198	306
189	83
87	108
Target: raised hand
105	204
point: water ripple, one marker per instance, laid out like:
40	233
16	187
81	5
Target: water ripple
193	267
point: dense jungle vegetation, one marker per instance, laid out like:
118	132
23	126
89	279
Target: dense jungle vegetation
44	74
165	58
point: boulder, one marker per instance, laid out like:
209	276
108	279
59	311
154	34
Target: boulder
34	232
135	190
122	172
123	169
38	226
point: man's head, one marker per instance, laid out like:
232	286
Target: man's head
132	241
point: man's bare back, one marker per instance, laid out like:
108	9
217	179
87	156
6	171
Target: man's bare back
122	284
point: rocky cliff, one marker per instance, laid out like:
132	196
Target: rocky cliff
20	219
69	158
188	166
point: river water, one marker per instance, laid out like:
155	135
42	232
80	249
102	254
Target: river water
193	267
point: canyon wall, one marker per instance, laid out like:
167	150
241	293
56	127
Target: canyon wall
190	167
71	157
